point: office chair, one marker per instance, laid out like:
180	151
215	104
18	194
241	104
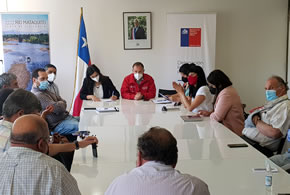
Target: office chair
166	92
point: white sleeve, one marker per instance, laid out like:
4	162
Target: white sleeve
280	119
202	91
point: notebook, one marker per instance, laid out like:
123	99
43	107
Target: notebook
191	118
161	101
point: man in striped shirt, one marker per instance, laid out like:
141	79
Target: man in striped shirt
26	169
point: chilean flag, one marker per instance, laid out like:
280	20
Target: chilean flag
82	63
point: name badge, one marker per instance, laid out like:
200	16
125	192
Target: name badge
132	88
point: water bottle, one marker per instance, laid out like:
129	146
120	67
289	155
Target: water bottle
268	177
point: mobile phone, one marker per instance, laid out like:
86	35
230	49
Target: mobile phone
89	108
237	145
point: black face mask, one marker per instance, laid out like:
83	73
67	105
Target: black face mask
184	79
212	90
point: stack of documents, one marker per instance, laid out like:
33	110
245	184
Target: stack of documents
161	101
112	109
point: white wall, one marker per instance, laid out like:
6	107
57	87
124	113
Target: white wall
250	46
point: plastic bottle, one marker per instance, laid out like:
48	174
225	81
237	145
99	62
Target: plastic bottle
268	177
94	149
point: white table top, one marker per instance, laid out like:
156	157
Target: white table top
203	150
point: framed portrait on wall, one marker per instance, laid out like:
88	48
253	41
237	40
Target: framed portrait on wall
137	30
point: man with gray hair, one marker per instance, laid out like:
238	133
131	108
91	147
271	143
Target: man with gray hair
265	127
155	173
8	80
22	102
26	169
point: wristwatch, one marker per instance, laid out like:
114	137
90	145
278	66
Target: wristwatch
77	145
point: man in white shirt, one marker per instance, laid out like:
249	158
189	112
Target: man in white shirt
155	172
265	127
26	169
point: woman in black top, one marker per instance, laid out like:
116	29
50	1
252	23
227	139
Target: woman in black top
97	86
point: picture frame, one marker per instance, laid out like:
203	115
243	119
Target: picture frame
137	30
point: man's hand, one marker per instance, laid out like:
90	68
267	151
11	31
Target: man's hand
138	96
255	119
47	111
88	141
178	88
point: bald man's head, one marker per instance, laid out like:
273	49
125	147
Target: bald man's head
158	144
28	130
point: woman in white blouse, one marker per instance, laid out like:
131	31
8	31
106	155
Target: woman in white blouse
199	97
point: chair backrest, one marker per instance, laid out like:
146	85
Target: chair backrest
166	92
245	113
281	145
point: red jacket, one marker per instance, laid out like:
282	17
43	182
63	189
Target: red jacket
130	87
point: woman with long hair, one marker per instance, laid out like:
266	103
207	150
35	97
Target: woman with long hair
199	96
228	108
97	86
184	71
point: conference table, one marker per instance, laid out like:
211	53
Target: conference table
202	149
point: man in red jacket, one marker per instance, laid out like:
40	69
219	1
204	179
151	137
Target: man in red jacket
138	85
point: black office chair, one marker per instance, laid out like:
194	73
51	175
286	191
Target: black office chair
265	150
166	92
66	158
281	145
245	113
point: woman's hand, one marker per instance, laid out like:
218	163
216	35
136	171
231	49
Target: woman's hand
178	87
114	97
174	98
94	98
204	113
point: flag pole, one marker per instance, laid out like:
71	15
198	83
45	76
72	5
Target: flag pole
76	67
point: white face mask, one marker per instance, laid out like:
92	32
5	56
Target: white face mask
51	77
96	79
138	76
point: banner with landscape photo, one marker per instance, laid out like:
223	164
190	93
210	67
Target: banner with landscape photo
25	44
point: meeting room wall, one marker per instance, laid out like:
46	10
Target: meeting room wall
250	40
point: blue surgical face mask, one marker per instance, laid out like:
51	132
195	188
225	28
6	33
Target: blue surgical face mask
271	95
43	85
